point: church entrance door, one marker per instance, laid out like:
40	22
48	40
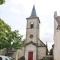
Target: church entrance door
30	55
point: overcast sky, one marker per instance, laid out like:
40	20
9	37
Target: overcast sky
15	12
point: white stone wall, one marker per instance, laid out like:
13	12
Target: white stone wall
58	46
19	53
56	41
34	31
41	52
35	20
40	43
30	48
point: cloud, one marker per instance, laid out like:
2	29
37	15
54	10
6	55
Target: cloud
15	10
23	32
21	9
50	45
47	37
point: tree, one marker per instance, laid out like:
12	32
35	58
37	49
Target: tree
4	30
45	58
8	38
14	41
2	1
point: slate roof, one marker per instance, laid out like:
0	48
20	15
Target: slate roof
33	13
36	44
30	43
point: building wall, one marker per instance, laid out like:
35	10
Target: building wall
39	42
35	20
34	31
20	53
2	51
56	40
30	48
41	52
58	45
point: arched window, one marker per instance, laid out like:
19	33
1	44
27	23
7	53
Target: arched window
31	24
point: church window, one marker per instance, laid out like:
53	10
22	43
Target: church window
31	36
31	25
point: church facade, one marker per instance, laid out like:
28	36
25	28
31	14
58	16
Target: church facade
33	48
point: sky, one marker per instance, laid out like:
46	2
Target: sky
15	12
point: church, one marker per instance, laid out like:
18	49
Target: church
33	48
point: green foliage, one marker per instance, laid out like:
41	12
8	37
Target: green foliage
4	31
8	38
45	58
2	1
22	58
16	40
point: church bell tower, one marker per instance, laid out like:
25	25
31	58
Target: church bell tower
32	36
32	29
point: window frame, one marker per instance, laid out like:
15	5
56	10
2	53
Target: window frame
31	24
31	35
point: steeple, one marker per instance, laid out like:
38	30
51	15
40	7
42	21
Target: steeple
33	13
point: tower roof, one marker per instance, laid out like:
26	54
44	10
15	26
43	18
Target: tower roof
33	13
